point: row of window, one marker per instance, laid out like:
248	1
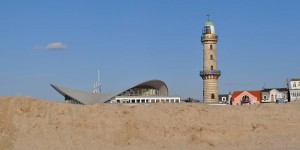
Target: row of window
275	97
211	57
141	91
145	100
294	85
212	96
295	93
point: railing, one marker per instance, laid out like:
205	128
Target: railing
130	94
209	36
210	72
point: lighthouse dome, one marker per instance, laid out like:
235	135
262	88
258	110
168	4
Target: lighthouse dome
209	23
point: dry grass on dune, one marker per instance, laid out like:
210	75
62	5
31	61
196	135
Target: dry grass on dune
27	123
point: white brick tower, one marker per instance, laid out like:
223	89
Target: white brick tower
210	72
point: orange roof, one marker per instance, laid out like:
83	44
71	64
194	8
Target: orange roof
254	93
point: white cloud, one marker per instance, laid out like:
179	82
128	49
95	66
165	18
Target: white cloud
56	45
51	46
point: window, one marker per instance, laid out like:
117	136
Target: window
211	47
265	97
211	67
223	99
212	96
211	57
245	99
294	85
207	30
299	84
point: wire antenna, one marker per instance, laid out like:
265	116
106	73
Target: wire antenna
97	84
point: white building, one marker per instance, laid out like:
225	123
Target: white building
295	89
274	95
152	91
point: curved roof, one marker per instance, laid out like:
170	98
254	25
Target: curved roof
157	84
209	23
82	96
92	98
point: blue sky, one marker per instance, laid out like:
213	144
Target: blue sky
65	41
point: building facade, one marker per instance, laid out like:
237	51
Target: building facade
246	97
224	98
210	72
152	91
274	95
295	89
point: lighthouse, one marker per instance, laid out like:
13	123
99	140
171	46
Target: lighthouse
210	73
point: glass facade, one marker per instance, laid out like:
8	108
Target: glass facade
141	91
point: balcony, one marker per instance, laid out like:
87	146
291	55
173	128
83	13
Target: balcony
210	72
209	37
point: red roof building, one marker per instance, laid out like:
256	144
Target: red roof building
246	97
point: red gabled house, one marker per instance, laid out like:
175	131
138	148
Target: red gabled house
246	97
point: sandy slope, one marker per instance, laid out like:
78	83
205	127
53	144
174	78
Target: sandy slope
27	124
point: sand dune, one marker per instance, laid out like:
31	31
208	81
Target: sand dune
27	124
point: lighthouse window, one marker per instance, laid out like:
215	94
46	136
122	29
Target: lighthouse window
212	96
207	30
211	57
211	47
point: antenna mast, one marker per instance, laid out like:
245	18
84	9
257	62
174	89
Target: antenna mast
97	84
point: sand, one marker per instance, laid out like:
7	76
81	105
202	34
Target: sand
28	123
